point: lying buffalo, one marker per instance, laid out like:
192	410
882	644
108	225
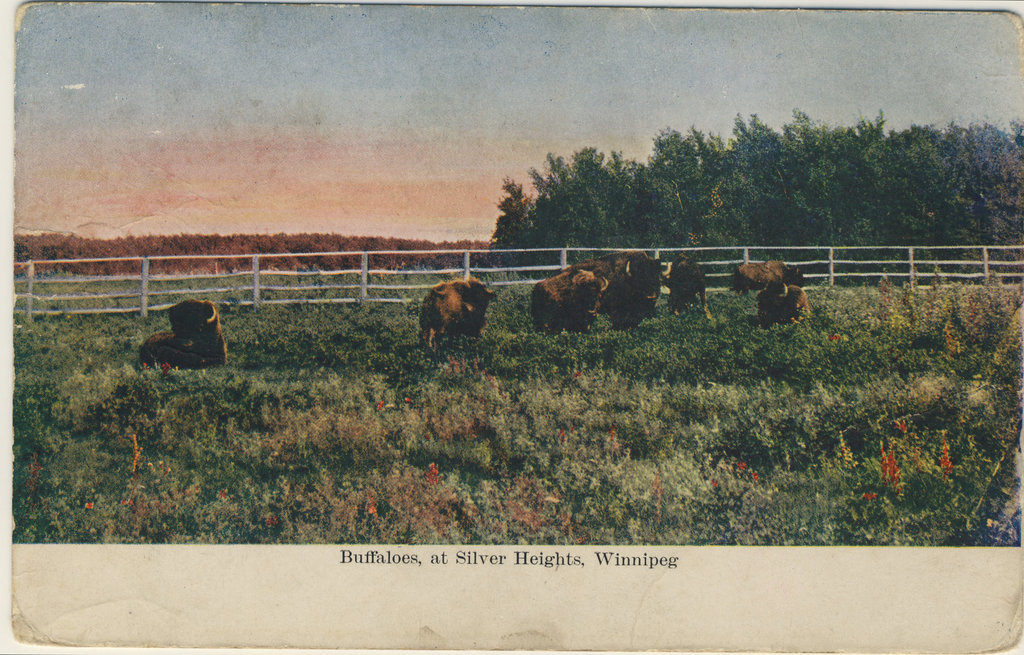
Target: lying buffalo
454	308
195	339
567	301
634	282
781	303
685	282
756	275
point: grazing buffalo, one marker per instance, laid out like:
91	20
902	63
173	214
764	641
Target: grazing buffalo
780	304
634	282
454	308
685	282
195	339
756	275
567	301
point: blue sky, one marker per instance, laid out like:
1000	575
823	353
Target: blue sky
463	94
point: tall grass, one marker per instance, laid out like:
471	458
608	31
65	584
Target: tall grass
889	416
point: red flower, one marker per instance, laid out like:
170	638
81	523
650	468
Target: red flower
870	496
561	434
901	425
432	476
88	505
271	521
834	337
741	466
714	483
753	475
223	494
380	405
945	462
408	400
576	374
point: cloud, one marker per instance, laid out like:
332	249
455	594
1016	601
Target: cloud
73	87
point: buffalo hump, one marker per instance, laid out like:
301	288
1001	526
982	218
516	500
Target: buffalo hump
755	275
567	301
457	307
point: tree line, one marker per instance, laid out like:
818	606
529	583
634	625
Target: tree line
68	246
808	184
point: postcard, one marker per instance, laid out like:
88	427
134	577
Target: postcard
552	328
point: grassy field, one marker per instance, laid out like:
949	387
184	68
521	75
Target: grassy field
889	416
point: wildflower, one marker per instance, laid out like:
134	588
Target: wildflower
576	374
753	475
890	470
901	425
380	405
741	466
271	521
166	368
223	494
432	476
834	337
88	505
870	496
561	434
945	462
714	483
408	400
371	507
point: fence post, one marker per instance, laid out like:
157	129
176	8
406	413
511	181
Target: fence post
465	265
363	275
984	260
746	255
31	283
255	281
144	289
831	267
563	257
910	253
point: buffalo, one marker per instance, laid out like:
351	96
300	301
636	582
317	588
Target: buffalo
685	282
634	282
780	303
756	275
454	308
568	301
195	339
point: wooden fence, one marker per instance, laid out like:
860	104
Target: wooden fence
65	286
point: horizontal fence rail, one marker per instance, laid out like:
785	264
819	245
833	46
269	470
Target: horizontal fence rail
143	284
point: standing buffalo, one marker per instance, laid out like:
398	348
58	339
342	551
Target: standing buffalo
195	339
781	303
454	308
567	301
756	275
634	282
685	282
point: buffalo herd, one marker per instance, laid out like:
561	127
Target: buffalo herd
624	286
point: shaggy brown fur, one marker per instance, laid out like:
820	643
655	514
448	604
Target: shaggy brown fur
567	301
454	308
634	282
756	275
195	339
780	304
685	282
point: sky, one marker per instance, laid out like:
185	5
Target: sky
404	120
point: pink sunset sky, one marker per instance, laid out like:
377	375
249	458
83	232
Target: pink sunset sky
403	121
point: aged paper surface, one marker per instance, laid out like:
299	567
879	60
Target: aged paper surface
730	598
